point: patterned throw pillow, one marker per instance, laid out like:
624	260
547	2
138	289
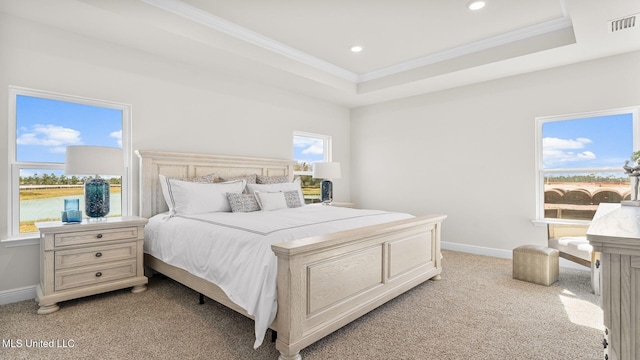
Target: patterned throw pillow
271	179
292	198
209	179
250	179
242	202
278	187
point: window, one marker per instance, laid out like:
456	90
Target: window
579	162
307	149
42	124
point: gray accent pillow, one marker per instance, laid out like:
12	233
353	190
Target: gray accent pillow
243	202
208	179
250	179
292	198
271	179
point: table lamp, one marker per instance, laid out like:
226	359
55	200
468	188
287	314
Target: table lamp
98	160
326	171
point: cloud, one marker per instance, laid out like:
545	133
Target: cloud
53	136
559	151
315	149
563	144
309	145
118	136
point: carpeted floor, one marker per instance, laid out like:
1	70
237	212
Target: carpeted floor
477	311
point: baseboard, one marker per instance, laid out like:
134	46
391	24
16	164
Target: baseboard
29	292
15	295
500	253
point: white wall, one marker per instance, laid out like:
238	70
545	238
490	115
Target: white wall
176	107
469	152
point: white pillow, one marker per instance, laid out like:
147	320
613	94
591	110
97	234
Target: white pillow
271	201
210	179
280	187
184	197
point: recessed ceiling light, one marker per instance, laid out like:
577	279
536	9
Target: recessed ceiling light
356	49
475	5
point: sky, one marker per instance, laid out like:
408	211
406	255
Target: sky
307	149
604	141
45	127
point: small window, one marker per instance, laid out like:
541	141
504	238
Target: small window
45	123
307	149
580	161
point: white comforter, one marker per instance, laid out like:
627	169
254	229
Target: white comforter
233	250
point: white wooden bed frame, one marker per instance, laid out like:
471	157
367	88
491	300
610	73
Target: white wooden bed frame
323	282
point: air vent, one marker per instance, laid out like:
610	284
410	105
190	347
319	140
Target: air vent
625	23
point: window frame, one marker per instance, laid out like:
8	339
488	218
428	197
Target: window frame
13	221
326	150
541	171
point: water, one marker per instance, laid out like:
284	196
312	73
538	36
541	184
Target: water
51	208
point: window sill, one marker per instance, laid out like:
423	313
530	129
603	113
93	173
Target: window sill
20	241
545	222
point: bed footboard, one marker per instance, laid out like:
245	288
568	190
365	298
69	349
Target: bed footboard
327	281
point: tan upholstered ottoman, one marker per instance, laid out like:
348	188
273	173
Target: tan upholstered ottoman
536	263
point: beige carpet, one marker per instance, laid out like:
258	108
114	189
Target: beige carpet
477	311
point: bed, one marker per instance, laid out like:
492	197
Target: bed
324	281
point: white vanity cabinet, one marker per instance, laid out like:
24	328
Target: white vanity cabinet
615	233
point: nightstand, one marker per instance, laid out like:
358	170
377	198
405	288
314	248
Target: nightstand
89	258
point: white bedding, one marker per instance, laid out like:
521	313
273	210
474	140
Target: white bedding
233	250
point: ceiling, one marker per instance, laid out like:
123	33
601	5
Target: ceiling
410	47
391	32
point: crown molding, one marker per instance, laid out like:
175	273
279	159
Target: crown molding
194	14
202	17
502	39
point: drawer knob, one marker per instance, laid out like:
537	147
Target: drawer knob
98	274
99	236
605	343
98	254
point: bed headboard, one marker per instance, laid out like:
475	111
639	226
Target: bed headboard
184	165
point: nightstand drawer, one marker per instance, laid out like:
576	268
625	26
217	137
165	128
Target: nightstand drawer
91	275
94	255
87	237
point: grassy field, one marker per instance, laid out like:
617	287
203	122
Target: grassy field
311	191
39	194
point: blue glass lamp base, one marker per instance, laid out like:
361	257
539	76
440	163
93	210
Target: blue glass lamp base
326	191
96	198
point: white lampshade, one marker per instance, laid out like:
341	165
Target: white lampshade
326	170
94	160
